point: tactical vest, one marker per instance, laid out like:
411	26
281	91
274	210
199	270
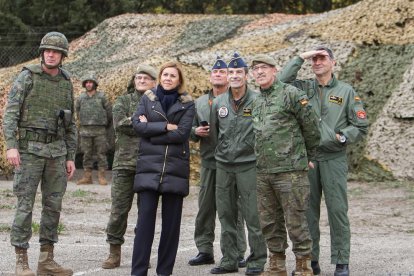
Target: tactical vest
49	95
92	111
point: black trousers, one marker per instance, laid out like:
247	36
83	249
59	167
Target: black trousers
172	206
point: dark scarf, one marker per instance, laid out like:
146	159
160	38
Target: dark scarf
167	97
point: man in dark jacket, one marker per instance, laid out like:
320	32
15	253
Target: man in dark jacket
343	121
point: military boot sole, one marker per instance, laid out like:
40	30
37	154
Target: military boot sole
111	265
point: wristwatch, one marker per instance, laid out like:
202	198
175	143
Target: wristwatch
342	138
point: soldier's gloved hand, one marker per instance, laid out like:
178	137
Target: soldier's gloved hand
13	156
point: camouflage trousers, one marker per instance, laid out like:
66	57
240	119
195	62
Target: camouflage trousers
95	145
122	196
205	222
283	199
51	173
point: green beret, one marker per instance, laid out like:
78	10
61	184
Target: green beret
262	58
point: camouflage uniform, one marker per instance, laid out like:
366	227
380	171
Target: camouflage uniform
206	216
125	159
38	122
340	111
94	113
287	134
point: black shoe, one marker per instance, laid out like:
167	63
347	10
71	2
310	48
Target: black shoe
201	259
220	270
315	267
241	262
254	271
341	270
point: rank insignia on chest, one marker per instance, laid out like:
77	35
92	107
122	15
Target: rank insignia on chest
336	100
223	112
247	112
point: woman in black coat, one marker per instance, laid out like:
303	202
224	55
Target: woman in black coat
163	120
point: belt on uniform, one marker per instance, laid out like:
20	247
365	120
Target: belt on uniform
37	136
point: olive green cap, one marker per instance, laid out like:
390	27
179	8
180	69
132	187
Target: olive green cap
262	58
147	69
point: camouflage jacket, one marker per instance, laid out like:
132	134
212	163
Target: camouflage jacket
94	113
207	144
286	129
46	141
337	105
126	141
234	129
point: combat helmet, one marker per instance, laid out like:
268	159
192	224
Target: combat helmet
90	77
55	41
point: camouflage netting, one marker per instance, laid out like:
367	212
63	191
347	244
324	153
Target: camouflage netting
373	42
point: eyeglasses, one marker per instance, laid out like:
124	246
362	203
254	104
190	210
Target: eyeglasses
143	78
263	67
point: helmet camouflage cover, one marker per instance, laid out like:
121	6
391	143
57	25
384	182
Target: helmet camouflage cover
90	77
55	41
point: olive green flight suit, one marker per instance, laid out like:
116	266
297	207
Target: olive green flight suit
206	217
341	111
236	177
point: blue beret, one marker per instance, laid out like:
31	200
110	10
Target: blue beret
237	62
219	64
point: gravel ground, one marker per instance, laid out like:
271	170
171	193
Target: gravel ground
381	215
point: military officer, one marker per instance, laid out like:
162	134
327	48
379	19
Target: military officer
206	216
95	114
40	135
343	121
236	170
125	159
286	131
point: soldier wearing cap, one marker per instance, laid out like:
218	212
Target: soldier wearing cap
206	216
236	170
40	135
95	114
125	159
343	121
286	131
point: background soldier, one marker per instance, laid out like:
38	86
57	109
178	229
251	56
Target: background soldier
206	217
95	114
286	131
236	171
40	135
343	122
125	160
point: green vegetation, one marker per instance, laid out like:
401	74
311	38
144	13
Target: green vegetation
80	193
36	227
24	22
5	227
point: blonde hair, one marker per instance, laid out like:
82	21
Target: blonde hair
178	66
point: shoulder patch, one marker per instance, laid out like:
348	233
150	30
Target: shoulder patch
361	114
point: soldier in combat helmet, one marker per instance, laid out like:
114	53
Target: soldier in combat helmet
40	135
95	114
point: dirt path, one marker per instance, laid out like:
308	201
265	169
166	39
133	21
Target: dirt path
381	214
